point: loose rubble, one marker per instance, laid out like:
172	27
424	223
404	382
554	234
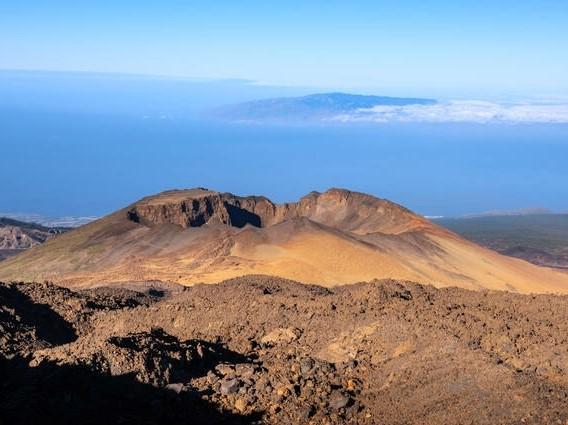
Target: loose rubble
266	350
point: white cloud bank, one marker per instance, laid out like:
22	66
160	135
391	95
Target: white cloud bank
462	111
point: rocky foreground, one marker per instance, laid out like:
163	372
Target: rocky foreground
265	350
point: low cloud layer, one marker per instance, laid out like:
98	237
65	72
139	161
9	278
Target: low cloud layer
462	111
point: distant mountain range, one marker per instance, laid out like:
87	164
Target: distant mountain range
354	108
314	107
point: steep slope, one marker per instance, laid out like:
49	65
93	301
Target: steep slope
330	238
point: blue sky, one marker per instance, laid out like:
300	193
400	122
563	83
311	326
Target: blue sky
436	48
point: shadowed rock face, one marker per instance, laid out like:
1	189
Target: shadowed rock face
209	208
128	378
350	210
23	319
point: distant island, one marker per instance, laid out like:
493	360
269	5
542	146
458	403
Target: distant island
313	107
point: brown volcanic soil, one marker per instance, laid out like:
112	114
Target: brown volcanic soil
330	238
267	350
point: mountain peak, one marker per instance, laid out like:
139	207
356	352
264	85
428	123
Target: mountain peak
334	237
348	210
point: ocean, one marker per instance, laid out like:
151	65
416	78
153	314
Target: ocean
63	163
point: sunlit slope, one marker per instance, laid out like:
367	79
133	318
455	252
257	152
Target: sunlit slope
329	238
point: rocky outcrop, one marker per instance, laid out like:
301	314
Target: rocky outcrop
210	208
13	237
16	236
340	208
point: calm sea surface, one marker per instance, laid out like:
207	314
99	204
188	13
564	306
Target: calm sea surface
66	164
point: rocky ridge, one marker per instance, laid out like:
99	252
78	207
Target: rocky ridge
353	211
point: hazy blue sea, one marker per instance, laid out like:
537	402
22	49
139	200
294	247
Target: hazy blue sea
87	164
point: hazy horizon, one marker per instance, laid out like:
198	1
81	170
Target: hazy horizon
487	49
101	104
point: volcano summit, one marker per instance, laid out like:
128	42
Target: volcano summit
330	238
